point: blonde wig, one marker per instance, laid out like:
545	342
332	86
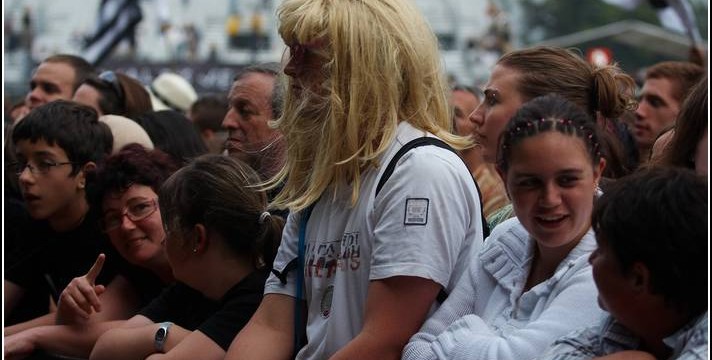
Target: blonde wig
378	65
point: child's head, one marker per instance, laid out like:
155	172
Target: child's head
551	164
74	128
56	145
651	229
217	193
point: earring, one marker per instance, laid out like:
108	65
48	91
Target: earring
195	250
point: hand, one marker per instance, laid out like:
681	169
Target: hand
19	346
81	297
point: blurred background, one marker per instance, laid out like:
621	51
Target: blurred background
206	41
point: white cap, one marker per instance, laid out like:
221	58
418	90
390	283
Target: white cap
126	131
172	91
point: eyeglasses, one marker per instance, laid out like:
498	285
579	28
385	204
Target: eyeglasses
42	168
135	212
110	78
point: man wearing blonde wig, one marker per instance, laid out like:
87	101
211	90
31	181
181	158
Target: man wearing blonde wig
364	79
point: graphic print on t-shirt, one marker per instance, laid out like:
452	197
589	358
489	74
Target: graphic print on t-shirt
325	258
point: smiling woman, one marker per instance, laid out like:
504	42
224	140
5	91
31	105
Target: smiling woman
128	183
218	239
531	283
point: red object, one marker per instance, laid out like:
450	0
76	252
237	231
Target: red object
599	56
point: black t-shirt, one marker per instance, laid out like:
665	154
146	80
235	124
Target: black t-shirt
218	320
146	283
51	260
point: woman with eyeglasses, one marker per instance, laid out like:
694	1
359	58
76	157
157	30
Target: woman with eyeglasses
114	93
220	242
127	184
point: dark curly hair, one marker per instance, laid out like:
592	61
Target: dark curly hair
133	164
658	216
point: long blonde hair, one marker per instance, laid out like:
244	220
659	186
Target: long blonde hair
381	65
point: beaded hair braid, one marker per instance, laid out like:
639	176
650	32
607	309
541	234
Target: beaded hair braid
548	113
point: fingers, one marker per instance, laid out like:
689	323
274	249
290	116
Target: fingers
69	309
89	298
99	289
95	269
81	298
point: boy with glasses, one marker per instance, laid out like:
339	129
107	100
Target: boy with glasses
57	147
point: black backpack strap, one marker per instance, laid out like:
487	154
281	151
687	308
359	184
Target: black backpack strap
418	142
423	141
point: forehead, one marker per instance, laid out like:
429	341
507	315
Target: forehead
661	87
135	191
503	79
28	149
253	85
549	152
55	72
87	95
463	98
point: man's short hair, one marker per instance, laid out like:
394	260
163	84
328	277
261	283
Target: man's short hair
658	217
82	69
73	127
274	69
684	75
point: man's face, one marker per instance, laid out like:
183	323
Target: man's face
656	111
463	103
52	81
616	293
248	115
48	187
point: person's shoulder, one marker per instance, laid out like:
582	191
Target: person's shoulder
509	228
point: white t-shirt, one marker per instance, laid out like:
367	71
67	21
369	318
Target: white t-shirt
425	222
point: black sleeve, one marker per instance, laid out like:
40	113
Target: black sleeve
224	325
238	306
164	307
179	304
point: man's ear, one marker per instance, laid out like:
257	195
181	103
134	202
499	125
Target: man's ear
82	174
639	278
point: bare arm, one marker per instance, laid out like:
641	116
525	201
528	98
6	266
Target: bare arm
75	341
195	345
119	302
134	340
13	294
47	319
269	332
395	309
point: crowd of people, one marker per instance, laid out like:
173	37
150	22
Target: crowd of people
351	203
